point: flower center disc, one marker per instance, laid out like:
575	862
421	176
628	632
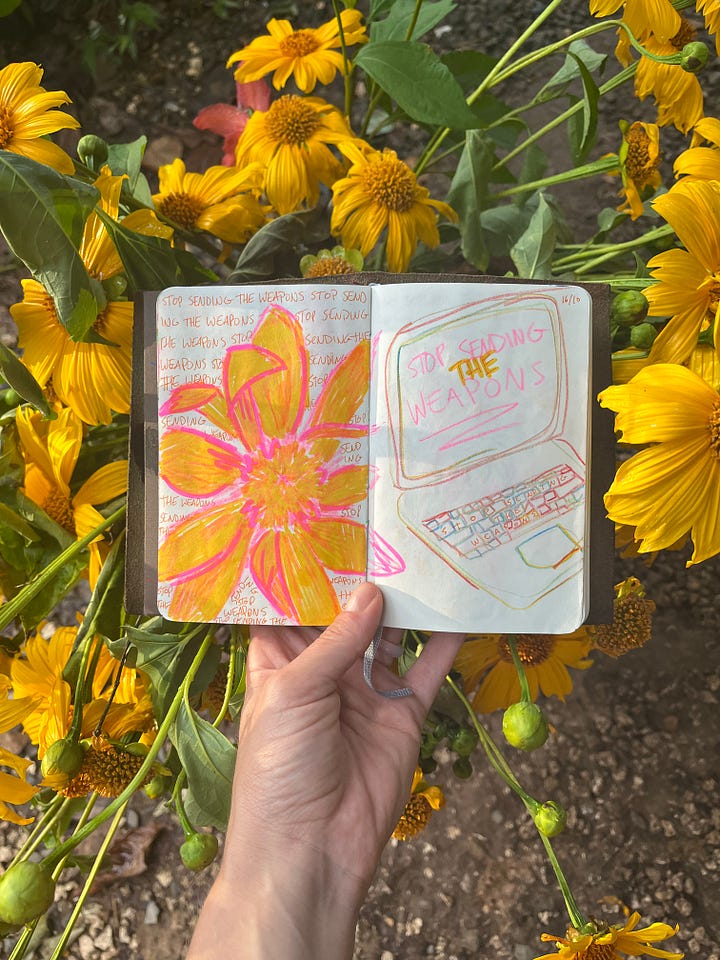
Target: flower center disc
599	951
684	35
390	182
291	120
181	209
638	163
714	429
282	490
58	507
298	44
7	128
532	648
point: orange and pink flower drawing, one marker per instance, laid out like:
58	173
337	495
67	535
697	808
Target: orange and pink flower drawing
273	486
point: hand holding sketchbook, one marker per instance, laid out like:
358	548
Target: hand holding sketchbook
431	437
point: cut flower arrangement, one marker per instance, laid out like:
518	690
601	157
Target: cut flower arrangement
313	183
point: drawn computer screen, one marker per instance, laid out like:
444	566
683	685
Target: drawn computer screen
473	384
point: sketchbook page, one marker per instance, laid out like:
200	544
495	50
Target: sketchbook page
263	414
479	446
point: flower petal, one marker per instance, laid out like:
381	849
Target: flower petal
197	465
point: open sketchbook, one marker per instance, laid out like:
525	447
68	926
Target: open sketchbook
433	437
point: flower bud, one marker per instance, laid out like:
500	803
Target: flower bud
694	56
158	786
92	151
550	819
199	851
643	335
428	764
464	742
524	726
462	768
27	889
61	762
629	307
115	287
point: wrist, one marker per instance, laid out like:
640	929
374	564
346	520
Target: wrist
289	903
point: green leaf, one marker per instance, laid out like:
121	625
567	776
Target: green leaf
42	214
468	67
582	126
23	382
534	165
378	7
150	263
579	52
126	158
395	26
418	81
258	258
7	7
468	192
208	759
12	520
160	655
533	250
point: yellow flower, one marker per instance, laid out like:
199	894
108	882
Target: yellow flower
711	11
631	627
91	378
677	93
51	449
272	486
639	161
381	193
13	789
672	486
310	56
705	362
641	16
27	116
222	200
699	160
418	809
610	943
292	140
487	658
688	281
627	362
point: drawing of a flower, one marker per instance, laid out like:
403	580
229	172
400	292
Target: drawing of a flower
275	488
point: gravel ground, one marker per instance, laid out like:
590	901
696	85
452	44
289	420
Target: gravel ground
636	756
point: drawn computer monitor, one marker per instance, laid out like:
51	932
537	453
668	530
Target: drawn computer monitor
480	416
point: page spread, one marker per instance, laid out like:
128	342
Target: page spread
432	437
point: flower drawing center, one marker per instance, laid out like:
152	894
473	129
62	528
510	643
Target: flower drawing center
299	44
291	120
7	128
639	164
281	491
181	209
685	34
532	648
714	429
58	507
390	182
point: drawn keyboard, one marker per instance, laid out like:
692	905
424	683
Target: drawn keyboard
482	525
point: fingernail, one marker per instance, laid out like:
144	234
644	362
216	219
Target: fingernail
361	598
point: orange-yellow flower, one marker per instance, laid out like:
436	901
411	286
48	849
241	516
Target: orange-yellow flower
91	378
485	662
222	200
711	11
641	16
639	161
51	449
423	800
14	789
309	56
677	93
381	193
610	943
293	140
275	488
27	116
701	161
671	487
688	281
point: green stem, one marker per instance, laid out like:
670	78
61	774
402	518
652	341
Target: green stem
584	264
525	694
13	607
229	682
413	21
347	68
576	917
147	763
578	173
41	829
97	863
613	82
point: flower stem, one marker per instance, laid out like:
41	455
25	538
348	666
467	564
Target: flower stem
576	917
41	829
13	607
577	173
80	902
347	66
525	694
582	264
147	763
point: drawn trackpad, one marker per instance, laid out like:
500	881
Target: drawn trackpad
549	548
